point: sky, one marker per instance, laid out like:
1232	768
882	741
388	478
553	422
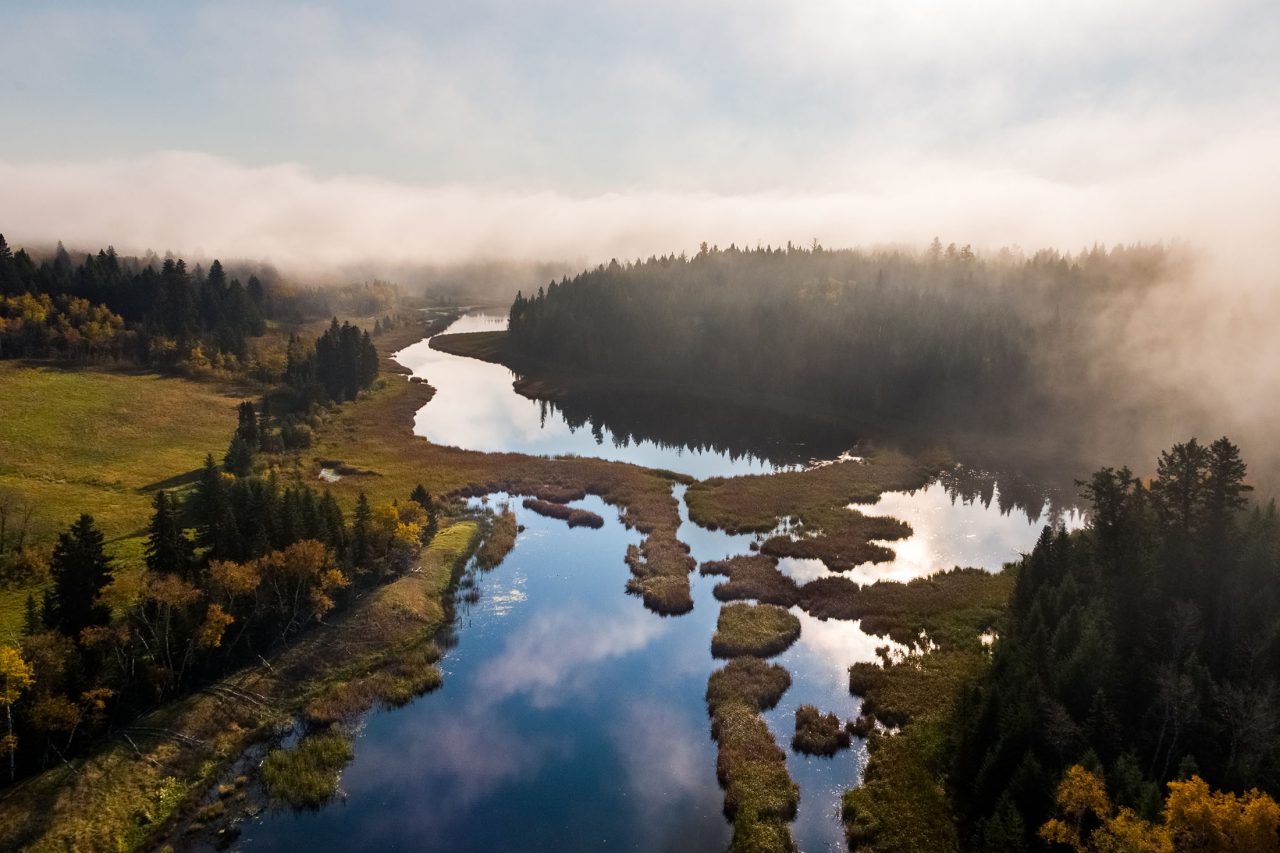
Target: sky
327	134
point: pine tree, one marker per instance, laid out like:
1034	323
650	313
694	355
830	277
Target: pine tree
422	497
335	526
265	443
169	549
31	622
360	532
80	571
248	425
239	458
208	494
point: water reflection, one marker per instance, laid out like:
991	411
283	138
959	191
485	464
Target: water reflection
476	408
819	666
553	657
561	725
949	530
571	718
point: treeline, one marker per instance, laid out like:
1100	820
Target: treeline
156	311
944	335
234	568
338	366
1145	648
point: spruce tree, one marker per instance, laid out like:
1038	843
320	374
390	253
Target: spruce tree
265	444
335	526
360	531
168	548
422	497
203	503
239	458
248	425
80	571
31	622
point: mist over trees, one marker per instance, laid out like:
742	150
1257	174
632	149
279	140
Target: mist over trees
1002	346
158	312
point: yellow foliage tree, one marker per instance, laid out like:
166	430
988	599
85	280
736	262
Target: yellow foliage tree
15	677
1200	819
1195	818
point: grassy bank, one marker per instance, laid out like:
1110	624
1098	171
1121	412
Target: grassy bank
102	441
155	778
500	540
814	505
306	776
757	502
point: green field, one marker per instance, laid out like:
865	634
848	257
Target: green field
101	441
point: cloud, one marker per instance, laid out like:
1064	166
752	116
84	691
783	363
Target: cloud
1226	192
547	658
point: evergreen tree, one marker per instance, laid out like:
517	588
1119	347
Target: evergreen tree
361	529
247	428
31	621
80	571
239	458
335	526
169	550
265	438
422	497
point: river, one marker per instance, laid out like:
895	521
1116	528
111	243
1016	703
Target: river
572	718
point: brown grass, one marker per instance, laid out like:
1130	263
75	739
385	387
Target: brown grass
499	541
753	576
817	734
756	503
840	538
660	568
572	515
759	630
747	680
952	607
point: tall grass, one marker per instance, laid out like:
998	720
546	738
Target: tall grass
761	630
306	776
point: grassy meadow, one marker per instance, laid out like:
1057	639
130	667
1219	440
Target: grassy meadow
101	441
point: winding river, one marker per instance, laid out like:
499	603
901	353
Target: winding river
572	718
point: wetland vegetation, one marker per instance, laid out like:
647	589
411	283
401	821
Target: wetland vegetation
759	630
818	733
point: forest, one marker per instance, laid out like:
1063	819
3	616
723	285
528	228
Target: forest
162	314
943	344
1143	652
235	566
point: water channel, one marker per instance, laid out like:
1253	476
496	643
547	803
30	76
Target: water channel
572	718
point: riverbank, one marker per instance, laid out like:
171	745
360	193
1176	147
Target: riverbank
152	780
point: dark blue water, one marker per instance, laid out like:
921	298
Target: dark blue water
571	718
